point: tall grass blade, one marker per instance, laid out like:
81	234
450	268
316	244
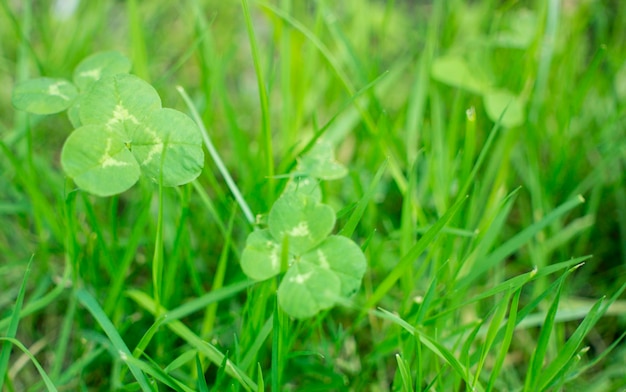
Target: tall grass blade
11	341
569	350
406	260
355	217
15	320
516	242
89	302
211	352
216	157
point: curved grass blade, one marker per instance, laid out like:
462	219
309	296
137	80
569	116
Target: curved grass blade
354	219
438	349
42	372
412	254
15	320
89	302
214	354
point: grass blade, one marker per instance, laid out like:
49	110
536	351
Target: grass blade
405	374
216	157
506	341
412	254
516	242
8	341
569	350
354	219
15	320
539	354
214	354
433	345
89	302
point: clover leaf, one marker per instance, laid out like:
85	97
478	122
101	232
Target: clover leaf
320	162
125	133
44	95
98	65
322	267
303	219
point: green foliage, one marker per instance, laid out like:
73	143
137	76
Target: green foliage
322	268
453	164
122	130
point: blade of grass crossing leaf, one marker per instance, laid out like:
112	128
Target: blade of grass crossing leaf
201	381
44	376
216	157
211	352
89	302
571	346
356	216
506	341
15	320
413	253
516	242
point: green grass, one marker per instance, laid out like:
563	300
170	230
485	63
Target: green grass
496	253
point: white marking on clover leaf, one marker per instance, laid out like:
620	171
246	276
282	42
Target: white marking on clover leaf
92	73
120	113
322	259
157	147
301	230
107	160
301	278
53	89
275	261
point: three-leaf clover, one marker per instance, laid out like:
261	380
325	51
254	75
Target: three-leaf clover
121	129
322	268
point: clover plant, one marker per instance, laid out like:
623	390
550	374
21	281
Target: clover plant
320	267
121	130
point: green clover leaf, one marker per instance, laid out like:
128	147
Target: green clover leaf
306	185
260	259
322	268
44	95
303	219
99	65
307	289
126	133
343	258
320	162
98	161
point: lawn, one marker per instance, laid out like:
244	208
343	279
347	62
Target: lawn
424	195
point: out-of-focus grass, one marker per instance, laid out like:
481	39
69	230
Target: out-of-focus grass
495	299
